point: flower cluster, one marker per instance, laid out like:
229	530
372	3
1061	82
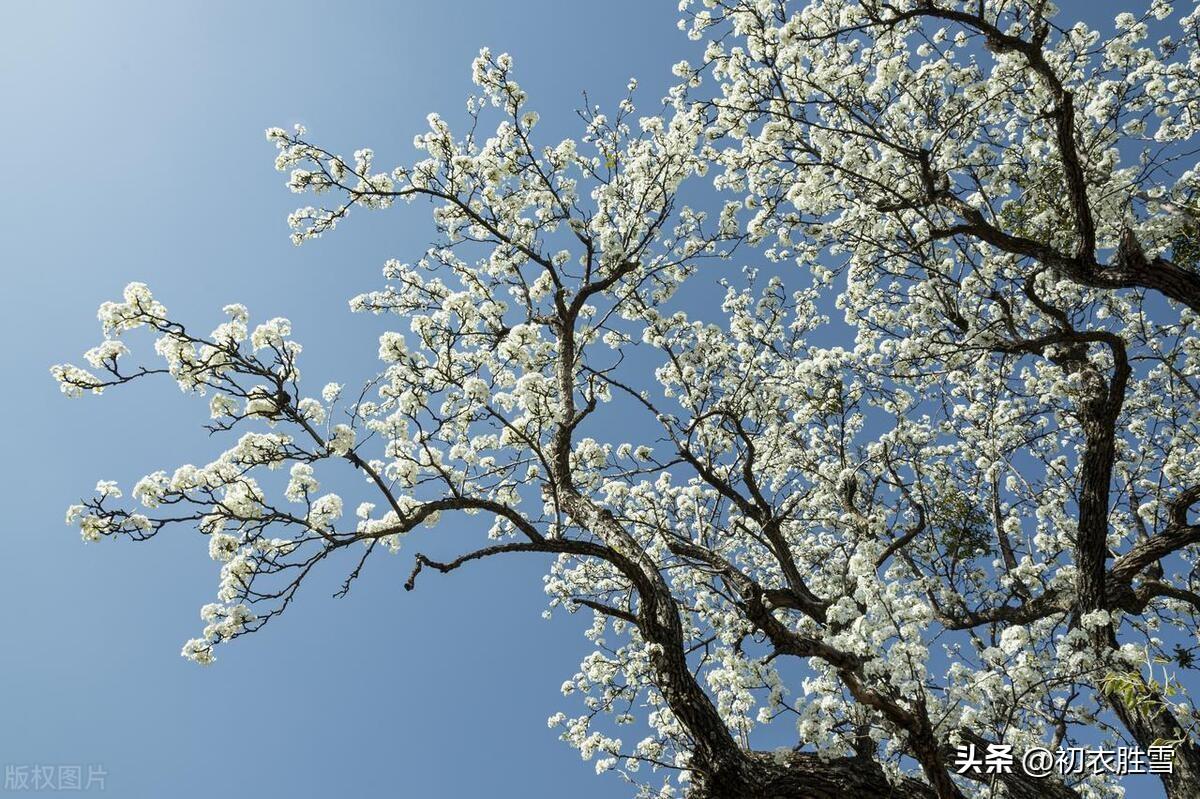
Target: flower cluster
938	483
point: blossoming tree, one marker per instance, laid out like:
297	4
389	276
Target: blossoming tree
973	523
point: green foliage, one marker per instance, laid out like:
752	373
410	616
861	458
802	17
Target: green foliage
1149	696
962	527
1185	248
1185	245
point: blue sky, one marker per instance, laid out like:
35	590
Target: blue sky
133	150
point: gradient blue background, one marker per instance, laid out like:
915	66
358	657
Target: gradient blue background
131	148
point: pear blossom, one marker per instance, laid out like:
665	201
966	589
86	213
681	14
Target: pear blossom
852	392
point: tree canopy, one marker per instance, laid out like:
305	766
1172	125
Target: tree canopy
908	294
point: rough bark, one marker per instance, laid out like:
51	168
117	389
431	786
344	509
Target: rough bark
804	775
1151	723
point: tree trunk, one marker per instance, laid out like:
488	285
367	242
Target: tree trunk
1153	724
805	775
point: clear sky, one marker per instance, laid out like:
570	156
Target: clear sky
132	149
